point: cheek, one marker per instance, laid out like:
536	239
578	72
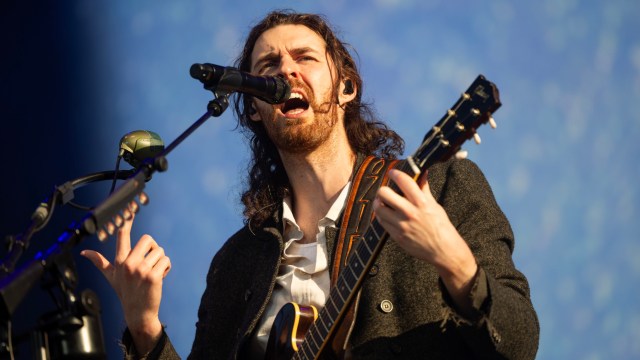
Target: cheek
318	76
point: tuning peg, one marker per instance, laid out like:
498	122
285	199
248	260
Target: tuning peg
126	214
134	207
110	227
102	235
462	154
118	220
476	138
492	122
144	199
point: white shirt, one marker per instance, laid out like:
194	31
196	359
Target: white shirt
303	275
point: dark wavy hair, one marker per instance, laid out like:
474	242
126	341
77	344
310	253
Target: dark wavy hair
267	181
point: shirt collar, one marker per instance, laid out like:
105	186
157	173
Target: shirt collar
332	214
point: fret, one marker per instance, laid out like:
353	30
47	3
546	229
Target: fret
356	264
339	293
332	309
371	240
349	278
316	339
344	287
366	250
325	322
308	352
360	260
377	229
366	239
362	253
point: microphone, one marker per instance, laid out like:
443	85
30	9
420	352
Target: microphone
138	145
272	89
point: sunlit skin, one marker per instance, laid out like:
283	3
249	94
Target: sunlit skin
313	145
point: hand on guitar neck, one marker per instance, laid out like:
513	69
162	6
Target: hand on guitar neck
420	226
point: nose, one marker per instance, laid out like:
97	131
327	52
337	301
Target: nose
289	68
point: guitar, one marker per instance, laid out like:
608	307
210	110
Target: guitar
301	332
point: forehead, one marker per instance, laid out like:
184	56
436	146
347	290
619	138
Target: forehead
286	38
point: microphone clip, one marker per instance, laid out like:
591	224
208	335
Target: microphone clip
219	103
210	75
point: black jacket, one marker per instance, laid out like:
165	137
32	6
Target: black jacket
422	323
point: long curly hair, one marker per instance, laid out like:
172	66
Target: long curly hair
267	182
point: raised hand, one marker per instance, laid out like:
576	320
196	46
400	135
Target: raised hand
136	275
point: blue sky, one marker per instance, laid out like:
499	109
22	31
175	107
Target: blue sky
562	161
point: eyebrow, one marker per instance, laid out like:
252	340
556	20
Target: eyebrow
273	56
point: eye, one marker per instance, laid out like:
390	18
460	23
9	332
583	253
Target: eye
266	66
306	58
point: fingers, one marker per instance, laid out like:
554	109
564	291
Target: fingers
413	196
145	262
163	266
123	242
145	245
99	261
148	259
409	187
423	183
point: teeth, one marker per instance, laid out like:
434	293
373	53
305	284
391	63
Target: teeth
293	107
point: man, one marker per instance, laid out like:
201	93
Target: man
445	286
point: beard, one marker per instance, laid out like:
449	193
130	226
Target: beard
294	136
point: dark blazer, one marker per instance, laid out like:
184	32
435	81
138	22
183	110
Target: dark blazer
422	322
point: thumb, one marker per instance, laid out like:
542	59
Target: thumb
99	261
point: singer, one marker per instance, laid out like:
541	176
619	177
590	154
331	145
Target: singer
444	286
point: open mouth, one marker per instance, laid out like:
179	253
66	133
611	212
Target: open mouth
295	105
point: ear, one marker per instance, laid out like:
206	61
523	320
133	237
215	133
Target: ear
347	91
253	112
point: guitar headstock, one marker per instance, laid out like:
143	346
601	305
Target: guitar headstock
117	220
474	108
121	205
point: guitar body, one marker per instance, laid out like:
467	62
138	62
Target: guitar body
288	330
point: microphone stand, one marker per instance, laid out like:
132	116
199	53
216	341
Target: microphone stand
76	326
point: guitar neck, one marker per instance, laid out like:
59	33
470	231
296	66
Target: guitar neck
350	280
343	294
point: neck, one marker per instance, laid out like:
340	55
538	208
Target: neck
317	177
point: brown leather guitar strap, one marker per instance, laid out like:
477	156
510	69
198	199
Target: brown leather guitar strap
358	210
356	217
